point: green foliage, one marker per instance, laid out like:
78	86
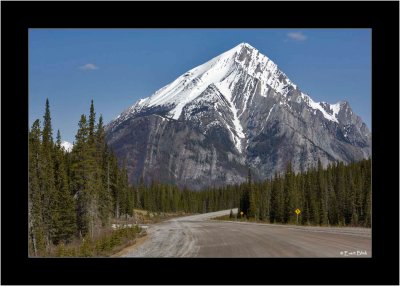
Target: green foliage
35	193
65	226
49	192
337	195
72	194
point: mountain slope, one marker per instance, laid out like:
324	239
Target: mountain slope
237	110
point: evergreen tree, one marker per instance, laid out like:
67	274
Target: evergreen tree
322	194
66	219
35	193
341	193
92	122
49	200
332	201
291	196
79	175
94	178
102	157
245	199
277	200
253	210
367	205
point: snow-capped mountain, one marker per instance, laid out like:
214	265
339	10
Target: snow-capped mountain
67	146
237	110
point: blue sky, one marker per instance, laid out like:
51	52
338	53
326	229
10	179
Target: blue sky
116	67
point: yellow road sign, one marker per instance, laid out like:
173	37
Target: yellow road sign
297	211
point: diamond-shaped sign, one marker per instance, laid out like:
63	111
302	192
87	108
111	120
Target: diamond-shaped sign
297	211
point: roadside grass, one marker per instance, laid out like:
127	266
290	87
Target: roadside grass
108	243
121	233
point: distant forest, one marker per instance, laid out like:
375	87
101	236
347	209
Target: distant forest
76	194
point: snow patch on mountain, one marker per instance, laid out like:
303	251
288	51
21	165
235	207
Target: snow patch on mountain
223	87
67	146
317	106
335	108
269	113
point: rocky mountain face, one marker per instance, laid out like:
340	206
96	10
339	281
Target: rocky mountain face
236	111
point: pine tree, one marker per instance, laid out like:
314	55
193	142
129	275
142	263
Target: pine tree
92	122
66	223
277	200
332	201
94	179
367	205
125	196
291	196
341	194
253	203
35	193
79	174
50	215
245	199
322	194
314	201
105	206
114	184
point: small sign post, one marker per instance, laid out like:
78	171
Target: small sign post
297	211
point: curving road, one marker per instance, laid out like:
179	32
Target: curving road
198	236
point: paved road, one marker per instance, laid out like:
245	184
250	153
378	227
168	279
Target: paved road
198	236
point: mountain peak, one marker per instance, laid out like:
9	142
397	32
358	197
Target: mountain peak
245	45
243	64
243	58
236	110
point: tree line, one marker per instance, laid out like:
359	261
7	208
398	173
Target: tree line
338	195
75	194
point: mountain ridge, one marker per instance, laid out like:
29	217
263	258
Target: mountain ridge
242	99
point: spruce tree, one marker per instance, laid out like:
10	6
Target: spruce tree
291	197
322	194
341	193
92	122
103	171
79	174
49	210
36	225
94	179
245	199
66	223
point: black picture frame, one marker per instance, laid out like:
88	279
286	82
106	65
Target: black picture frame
381	17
